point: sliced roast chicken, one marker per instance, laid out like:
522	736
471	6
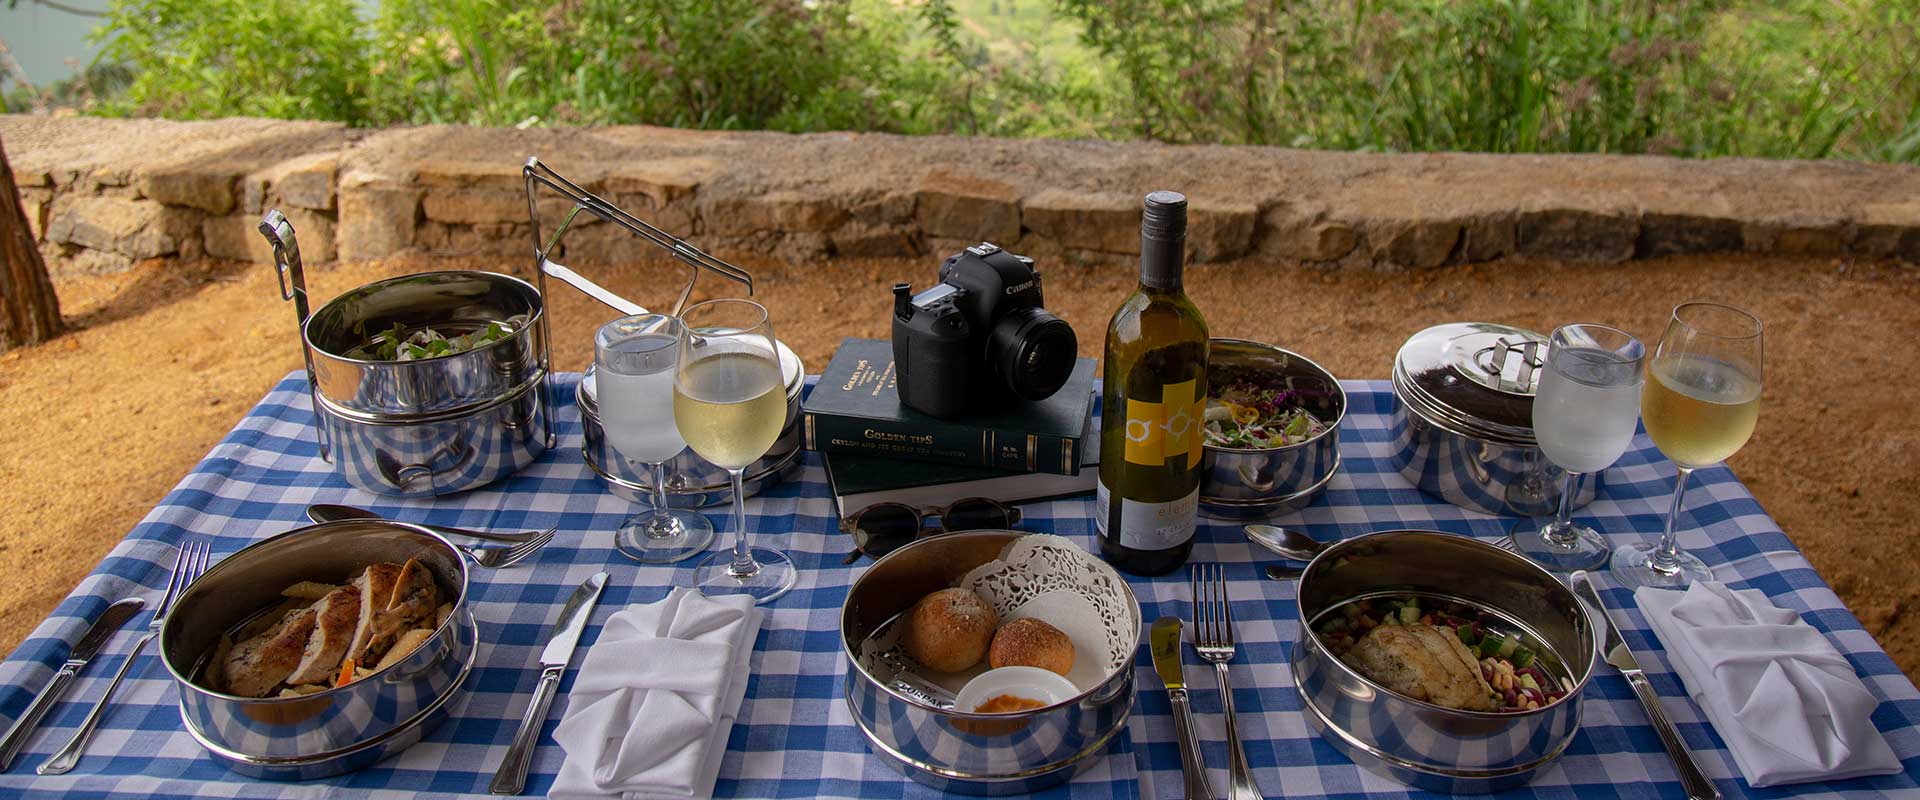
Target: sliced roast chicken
257	665
393	599
1424	662
358	621
335	618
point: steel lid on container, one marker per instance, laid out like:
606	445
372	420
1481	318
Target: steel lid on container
1476	379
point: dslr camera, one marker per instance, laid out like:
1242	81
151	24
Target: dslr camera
979	339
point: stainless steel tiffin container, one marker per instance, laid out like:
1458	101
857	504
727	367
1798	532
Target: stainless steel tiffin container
1462	425
1421	744
991	754
340	729
1257	484
430	426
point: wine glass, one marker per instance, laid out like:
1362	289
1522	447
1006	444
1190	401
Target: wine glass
1583	415
730	402
633	360
1701	401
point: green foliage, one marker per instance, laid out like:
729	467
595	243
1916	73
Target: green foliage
1777	78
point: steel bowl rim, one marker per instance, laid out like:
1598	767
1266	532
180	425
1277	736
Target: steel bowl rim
459	603
1353	740
1333	428
1073	762
853	662
535	317
1338	549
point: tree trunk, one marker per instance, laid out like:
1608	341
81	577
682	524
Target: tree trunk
29	312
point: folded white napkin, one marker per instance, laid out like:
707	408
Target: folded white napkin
651	709
1787	703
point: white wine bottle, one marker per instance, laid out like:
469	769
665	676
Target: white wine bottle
1152	403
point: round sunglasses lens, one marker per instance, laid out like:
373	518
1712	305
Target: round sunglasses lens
883	529
969	515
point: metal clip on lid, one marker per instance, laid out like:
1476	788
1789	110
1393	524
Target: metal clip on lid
538	174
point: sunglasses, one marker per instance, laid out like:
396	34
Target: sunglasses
882	528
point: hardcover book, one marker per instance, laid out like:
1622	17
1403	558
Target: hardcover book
855	408
860	481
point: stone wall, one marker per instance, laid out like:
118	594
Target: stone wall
105	193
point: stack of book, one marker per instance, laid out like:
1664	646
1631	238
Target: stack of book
878	450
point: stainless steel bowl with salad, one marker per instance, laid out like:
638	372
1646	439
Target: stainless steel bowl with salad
1441	661
1272	430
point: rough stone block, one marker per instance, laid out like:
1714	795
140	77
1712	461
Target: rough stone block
36	212
1576	235
1219	231
1108	222
308	184
1416	243
209	189
1669	234
1805	234
474	206
953	205
377	216
501	175
665	180
1300	234
1488	239
895	207
133	228
858	239
785	210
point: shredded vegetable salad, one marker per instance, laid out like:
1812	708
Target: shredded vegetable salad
1247	416
398	344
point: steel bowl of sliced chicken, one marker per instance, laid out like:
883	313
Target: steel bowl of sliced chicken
322	650
1441	661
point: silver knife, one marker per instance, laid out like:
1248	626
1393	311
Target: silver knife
1696	783
1164	643
512	775
103	628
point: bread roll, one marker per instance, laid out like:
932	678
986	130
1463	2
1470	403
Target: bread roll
1031	643
949	630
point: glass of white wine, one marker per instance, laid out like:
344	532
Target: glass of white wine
1701	401
1584	415
730	402
633	360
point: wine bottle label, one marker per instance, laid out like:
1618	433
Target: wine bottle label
1158	432
1145	526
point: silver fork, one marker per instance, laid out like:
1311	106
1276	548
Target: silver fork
187	567
1213	639
501	557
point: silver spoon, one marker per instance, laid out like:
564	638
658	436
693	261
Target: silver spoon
1285	542
523	544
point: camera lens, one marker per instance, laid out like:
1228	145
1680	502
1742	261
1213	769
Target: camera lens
1032	351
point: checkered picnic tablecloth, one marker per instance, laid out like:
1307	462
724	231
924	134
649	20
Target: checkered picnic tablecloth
795	737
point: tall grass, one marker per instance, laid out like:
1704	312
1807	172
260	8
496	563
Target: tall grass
1779	78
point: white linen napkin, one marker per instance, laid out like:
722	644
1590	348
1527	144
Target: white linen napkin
655	699
1787	703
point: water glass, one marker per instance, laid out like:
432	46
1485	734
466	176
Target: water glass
633	360
1584	416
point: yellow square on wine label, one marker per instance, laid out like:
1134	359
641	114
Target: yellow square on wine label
1145	438
1157	432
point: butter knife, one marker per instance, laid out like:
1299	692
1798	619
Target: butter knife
1164	643
89	645
1695	781
511	778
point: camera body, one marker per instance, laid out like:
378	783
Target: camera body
979	339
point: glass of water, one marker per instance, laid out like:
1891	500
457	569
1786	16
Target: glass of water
730	402
633	360
1584	415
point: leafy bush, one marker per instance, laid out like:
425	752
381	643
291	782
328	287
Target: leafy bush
1788	78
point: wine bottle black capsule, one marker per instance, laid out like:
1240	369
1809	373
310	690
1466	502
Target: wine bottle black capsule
1153	404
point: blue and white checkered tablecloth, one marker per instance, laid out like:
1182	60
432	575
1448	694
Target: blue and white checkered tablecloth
795	737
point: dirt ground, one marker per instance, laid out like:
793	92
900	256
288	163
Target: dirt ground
100	424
